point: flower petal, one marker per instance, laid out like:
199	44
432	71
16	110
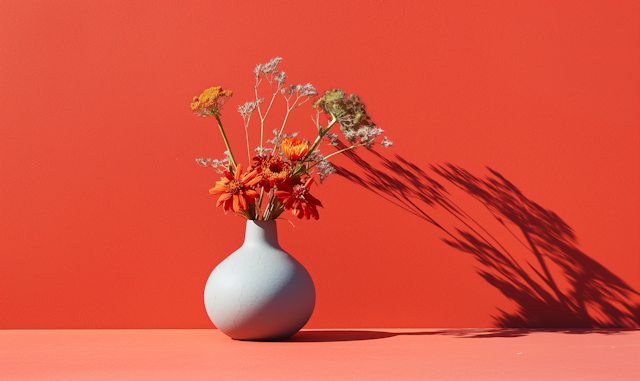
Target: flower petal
238	172
312	200
224	197
218	189
236	203
253	182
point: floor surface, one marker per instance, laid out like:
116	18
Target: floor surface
337	354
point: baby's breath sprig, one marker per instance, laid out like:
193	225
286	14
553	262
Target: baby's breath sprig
269	72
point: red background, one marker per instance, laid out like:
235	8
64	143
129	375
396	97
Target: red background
106	221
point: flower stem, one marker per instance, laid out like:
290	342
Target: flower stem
295	104
246	133
226	142
321	135
284	121
263	117
344	149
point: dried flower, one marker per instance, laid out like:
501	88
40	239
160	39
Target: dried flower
219	165
210	102
280	78
324	168
202	162
236	191
386	142
281	137
333	138
294	148
301	90
269	67
355	123
366	135
265	150
246	109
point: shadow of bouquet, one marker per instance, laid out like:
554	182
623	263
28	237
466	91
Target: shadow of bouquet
552	282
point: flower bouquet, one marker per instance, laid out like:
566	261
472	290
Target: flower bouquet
280	176
260	292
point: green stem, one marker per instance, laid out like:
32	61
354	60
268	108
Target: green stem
344	149
226	142
268	210
321	135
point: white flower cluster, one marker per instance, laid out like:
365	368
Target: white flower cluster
246	109
280	78
220	166
333	138
365	135
203	162
269	67
265	150
301	90
280	138
324	168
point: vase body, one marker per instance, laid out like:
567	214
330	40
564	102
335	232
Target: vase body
259	292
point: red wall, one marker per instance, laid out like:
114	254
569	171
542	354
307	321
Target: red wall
106	220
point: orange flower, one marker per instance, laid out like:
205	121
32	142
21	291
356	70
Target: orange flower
294	148
273	170
210	102
297	199
237	191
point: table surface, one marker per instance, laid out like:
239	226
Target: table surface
335	354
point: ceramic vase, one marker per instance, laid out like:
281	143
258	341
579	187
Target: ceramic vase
260	292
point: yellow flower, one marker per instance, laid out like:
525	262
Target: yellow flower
210	102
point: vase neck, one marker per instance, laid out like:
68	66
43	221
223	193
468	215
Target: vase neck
266	231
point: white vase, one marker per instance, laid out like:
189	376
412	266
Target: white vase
260	292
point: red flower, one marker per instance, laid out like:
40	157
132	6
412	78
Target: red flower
297	199
273	170
237	191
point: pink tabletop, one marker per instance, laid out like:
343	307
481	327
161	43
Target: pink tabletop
371	354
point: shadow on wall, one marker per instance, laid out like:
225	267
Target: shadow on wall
551	281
